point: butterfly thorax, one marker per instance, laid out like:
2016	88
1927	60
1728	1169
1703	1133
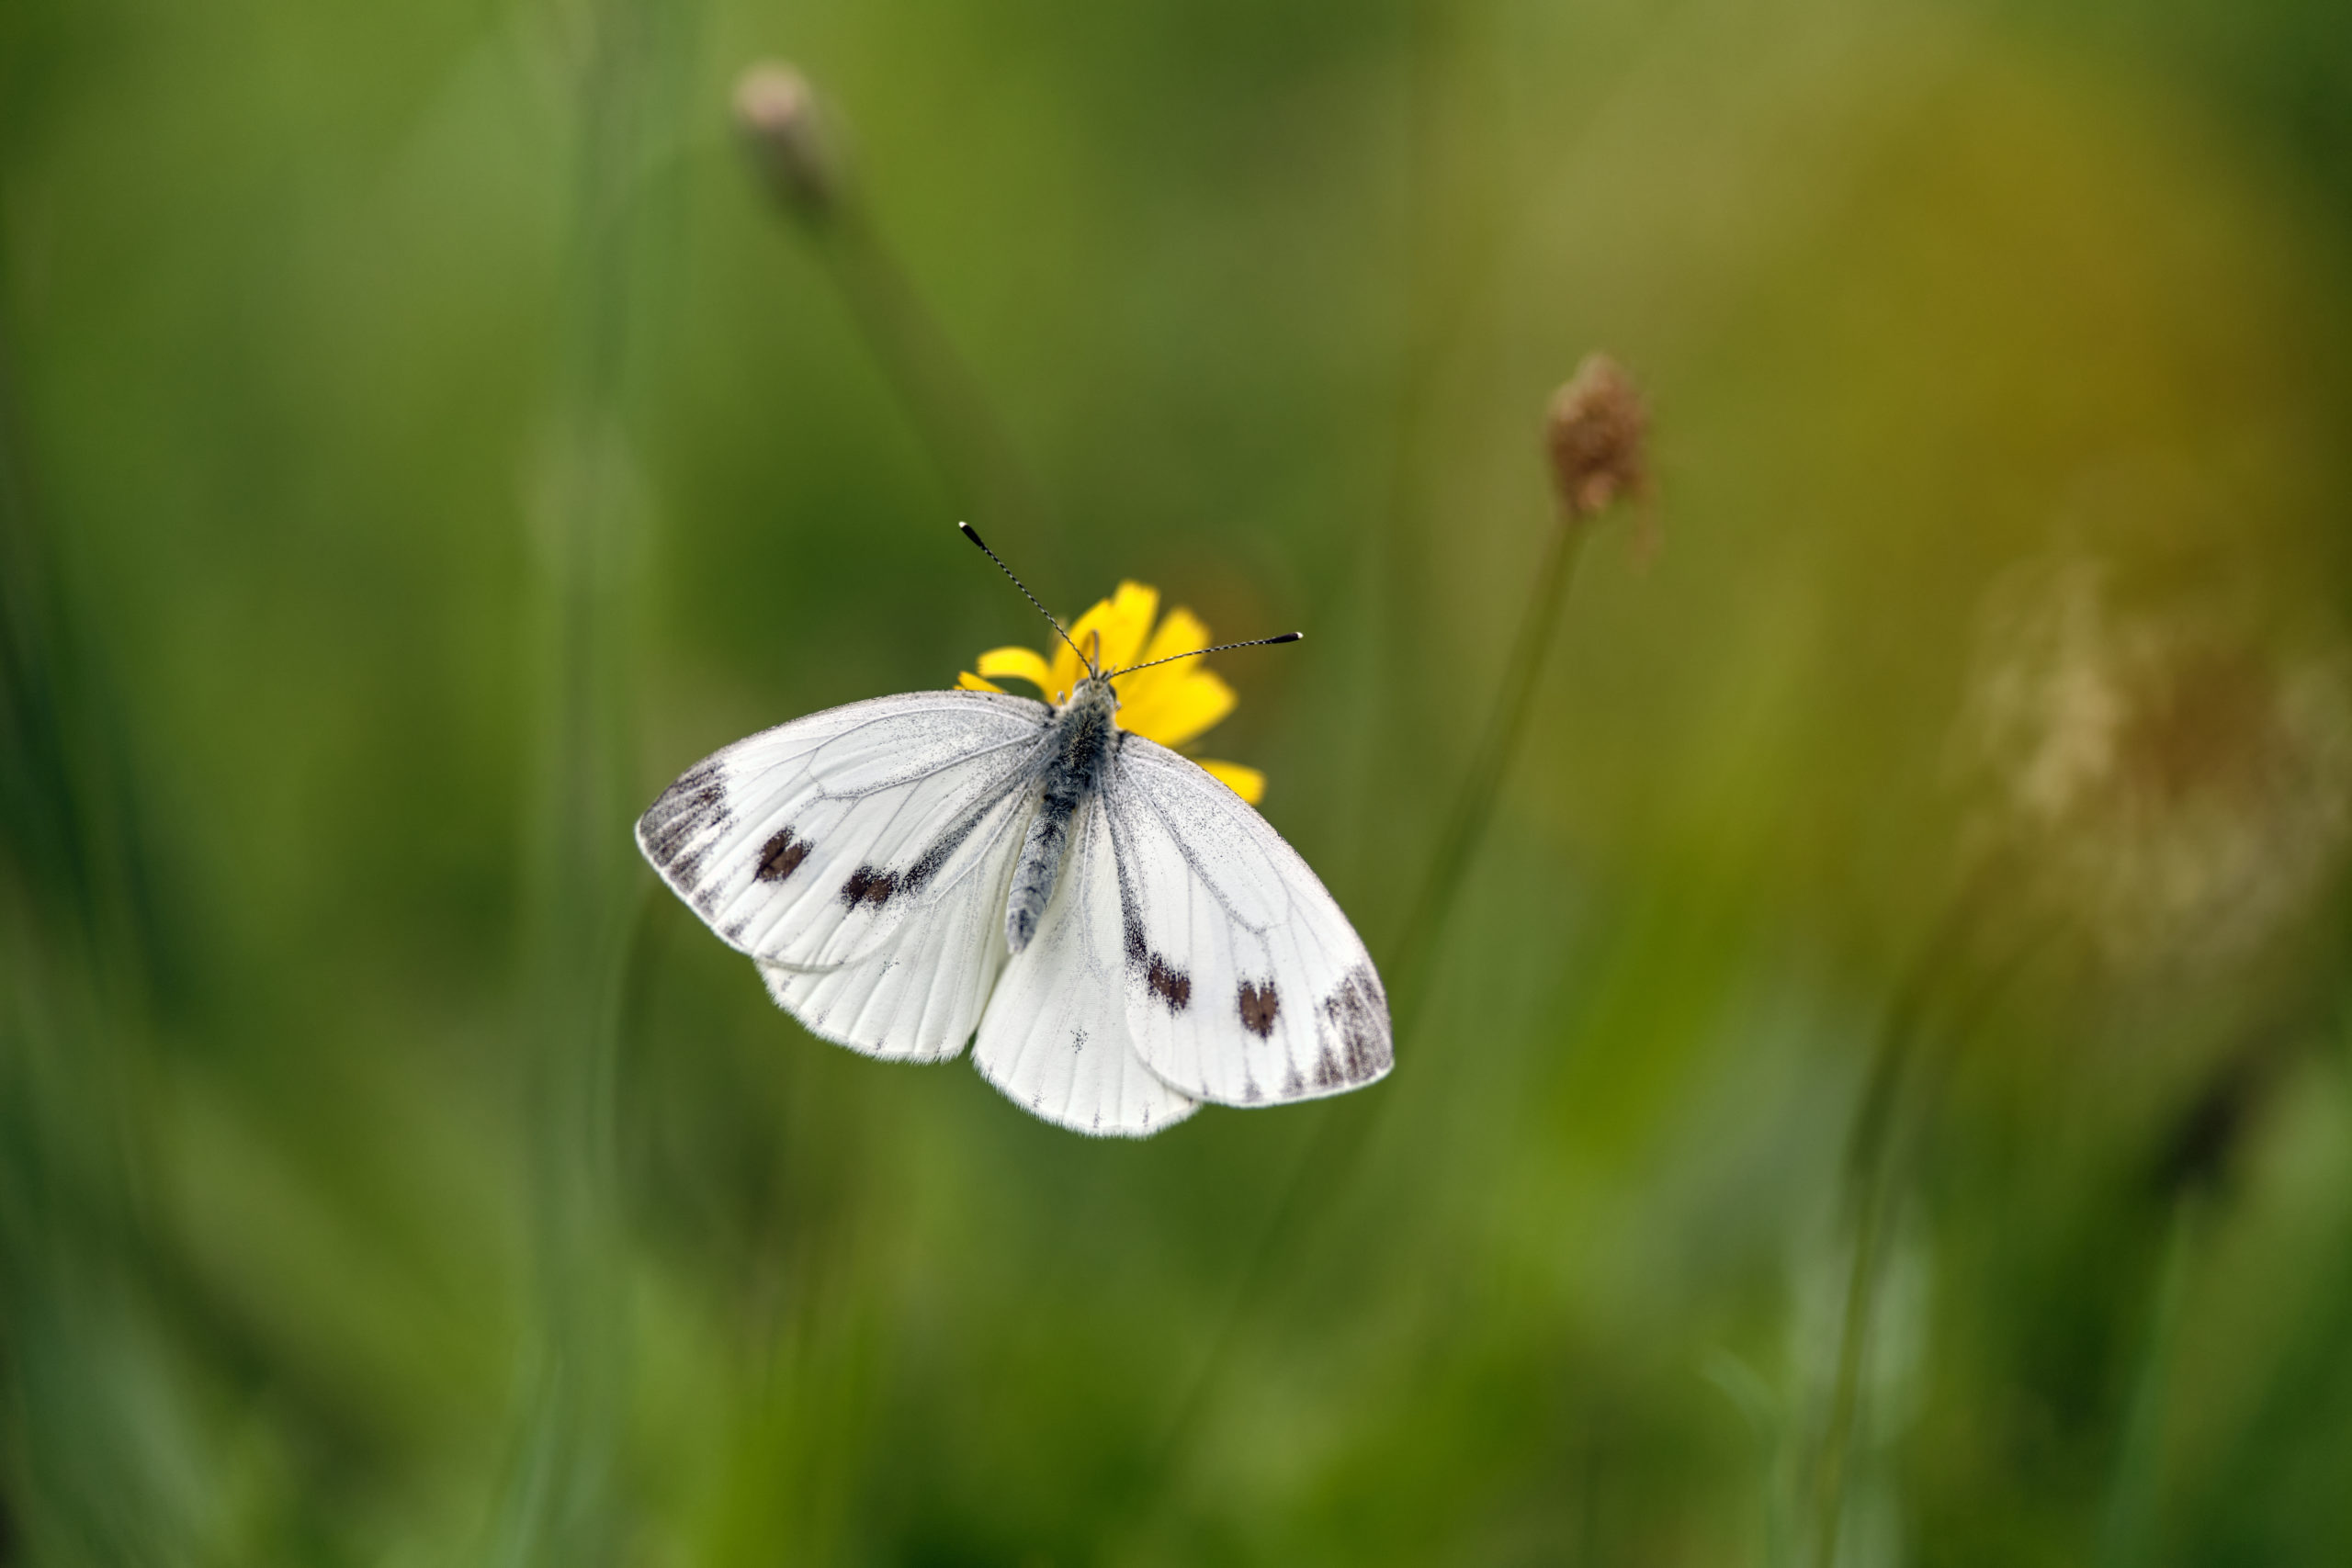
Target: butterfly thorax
1081	738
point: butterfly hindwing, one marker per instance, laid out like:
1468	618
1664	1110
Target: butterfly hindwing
1055	1036
1243	982
811	845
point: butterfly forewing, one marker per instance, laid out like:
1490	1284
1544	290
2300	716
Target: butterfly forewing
1055	1036
1243	982
809	846
917	997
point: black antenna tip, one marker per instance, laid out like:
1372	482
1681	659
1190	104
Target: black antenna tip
973	534
1287	637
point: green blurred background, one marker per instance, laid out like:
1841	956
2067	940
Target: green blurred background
422	440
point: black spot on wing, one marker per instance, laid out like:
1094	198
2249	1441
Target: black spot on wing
912	879
1170	985
869	885
782	856
1259	1008
1356	1042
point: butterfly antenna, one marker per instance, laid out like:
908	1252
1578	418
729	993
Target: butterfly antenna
972	533
1220	648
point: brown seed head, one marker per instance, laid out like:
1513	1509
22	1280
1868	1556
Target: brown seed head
2173	782
784	129
1595	431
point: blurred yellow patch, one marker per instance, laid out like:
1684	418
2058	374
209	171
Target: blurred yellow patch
1171	704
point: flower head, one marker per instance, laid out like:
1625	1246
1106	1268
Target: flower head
1173	704
2172	782
784	130
1596	429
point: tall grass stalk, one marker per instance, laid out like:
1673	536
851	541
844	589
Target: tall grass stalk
1871	1193
2191	1174
85	1447
563	1502
2127	1532
1871	1190
1946	991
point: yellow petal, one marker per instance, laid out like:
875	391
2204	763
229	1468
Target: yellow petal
1156	702
1175	710
1020	664
1181	632
968	682
1247	783
1132	609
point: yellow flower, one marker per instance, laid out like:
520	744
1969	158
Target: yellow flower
1170	704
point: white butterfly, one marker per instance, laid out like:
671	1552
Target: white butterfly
1128	935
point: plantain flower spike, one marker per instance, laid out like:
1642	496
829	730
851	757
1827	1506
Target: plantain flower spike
784	129
1595	431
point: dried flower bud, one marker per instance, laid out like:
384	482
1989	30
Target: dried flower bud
783	127
1595	430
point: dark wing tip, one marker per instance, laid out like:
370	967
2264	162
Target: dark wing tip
686	811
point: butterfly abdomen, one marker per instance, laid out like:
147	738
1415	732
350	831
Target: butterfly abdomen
1083	734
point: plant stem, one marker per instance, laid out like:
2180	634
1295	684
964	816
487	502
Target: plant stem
87	1479
1866	1188
2129	1527
1457	846
1869	1176
1342	1130
942	397
1872	1200
561	1503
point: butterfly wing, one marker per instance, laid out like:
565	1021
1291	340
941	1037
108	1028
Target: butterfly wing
1055	1036
1242	980
854	853
917	997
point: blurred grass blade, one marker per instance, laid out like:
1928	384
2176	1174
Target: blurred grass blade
91	1418
565	1501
